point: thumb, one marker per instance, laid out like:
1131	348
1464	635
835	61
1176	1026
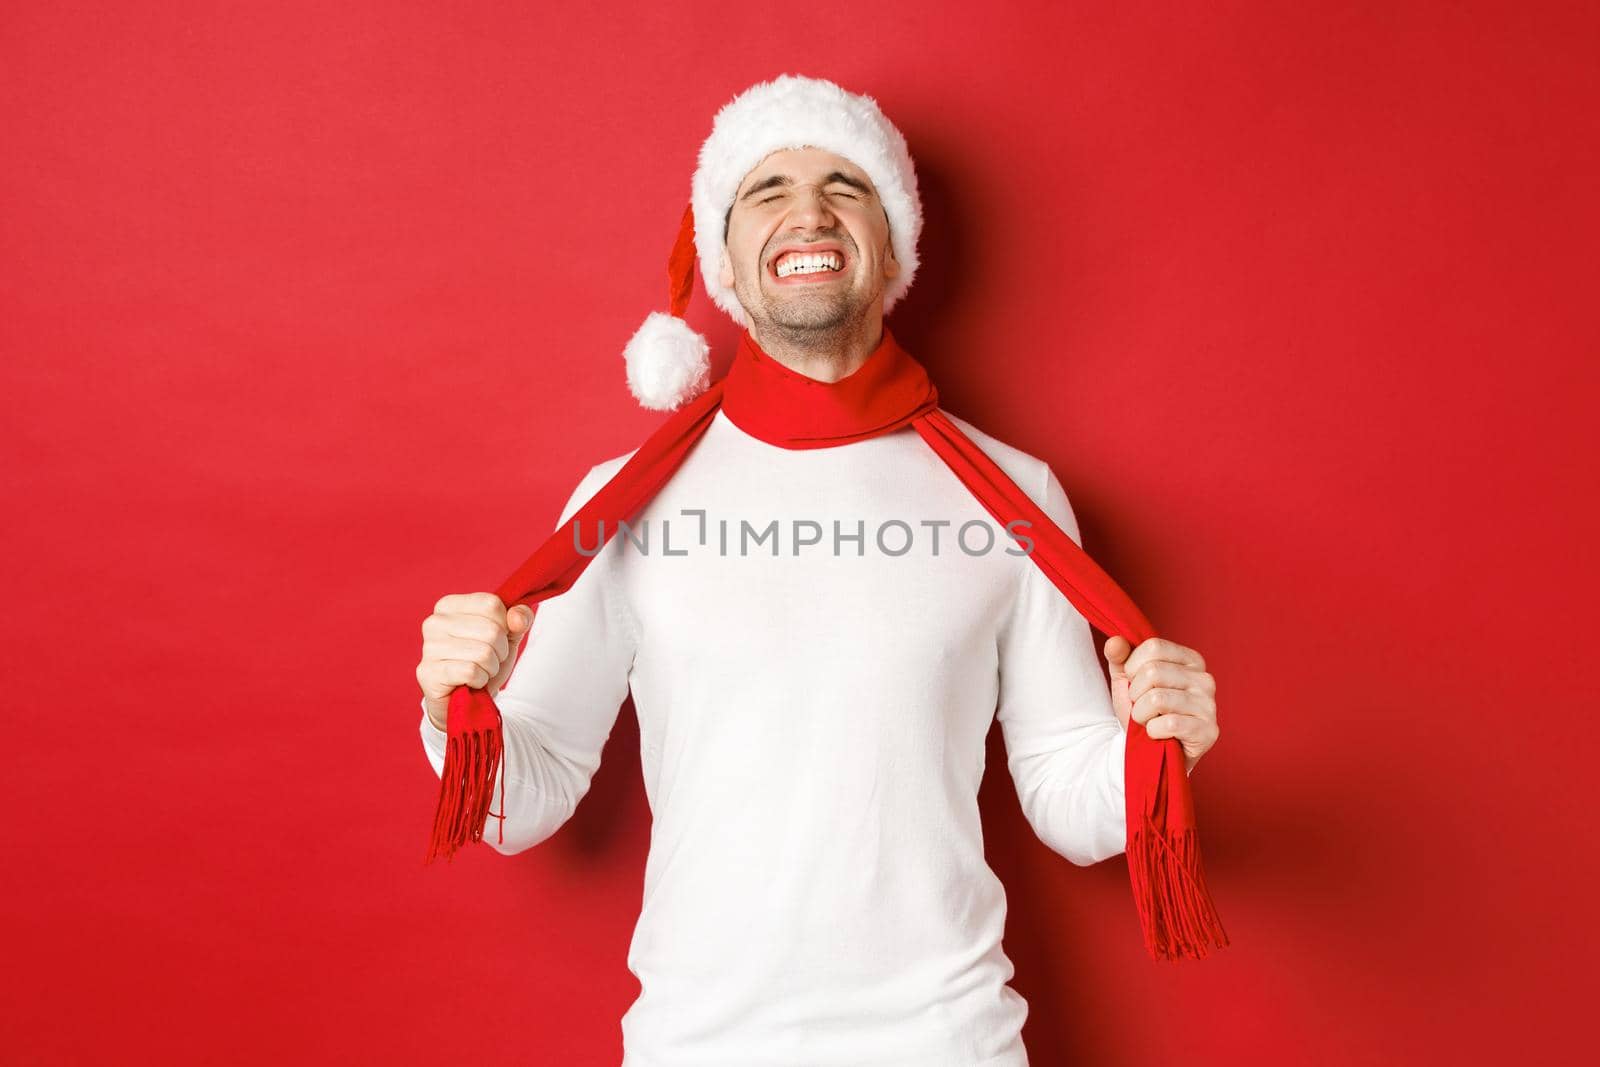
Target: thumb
1117	650
518	619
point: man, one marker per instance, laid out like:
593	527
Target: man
817	644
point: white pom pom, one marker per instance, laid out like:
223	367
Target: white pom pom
668	363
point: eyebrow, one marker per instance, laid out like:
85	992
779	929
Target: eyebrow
784	179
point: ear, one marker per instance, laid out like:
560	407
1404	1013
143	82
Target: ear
891	265
726	275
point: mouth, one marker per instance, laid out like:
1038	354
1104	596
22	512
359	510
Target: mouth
808	264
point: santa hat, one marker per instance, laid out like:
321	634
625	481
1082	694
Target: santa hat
669	363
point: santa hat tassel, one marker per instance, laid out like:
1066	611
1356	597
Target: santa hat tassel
669	363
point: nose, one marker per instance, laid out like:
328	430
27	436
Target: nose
811	210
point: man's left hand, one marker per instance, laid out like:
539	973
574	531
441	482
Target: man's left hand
1165	686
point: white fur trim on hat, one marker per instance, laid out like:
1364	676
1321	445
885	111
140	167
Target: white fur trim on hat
668	362
794	111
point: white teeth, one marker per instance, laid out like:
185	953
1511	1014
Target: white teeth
809	263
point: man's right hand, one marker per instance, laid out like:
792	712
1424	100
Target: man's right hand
470	639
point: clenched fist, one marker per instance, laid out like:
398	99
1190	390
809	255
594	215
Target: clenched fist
1165	686
470	639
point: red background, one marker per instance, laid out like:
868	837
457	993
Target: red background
313	313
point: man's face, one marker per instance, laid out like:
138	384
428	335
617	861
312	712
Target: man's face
807	199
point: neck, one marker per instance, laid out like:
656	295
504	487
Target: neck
826	355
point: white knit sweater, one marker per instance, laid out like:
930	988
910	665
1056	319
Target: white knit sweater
812	730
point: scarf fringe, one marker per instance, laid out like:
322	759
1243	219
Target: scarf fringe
1176	913
471	764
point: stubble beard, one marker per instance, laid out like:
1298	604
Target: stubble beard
812	320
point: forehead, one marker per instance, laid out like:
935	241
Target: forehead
803	165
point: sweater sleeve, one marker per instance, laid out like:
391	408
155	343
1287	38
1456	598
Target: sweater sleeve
1064	744
559	704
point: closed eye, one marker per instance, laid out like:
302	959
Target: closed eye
770	199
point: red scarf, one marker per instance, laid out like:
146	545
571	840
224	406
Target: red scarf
783	407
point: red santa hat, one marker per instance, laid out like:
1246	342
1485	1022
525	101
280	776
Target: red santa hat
668	363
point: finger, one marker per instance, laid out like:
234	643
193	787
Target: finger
458	624
488	605
465	650
462	672
1166	702
475	628
1195	733
1159	648
1169	675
